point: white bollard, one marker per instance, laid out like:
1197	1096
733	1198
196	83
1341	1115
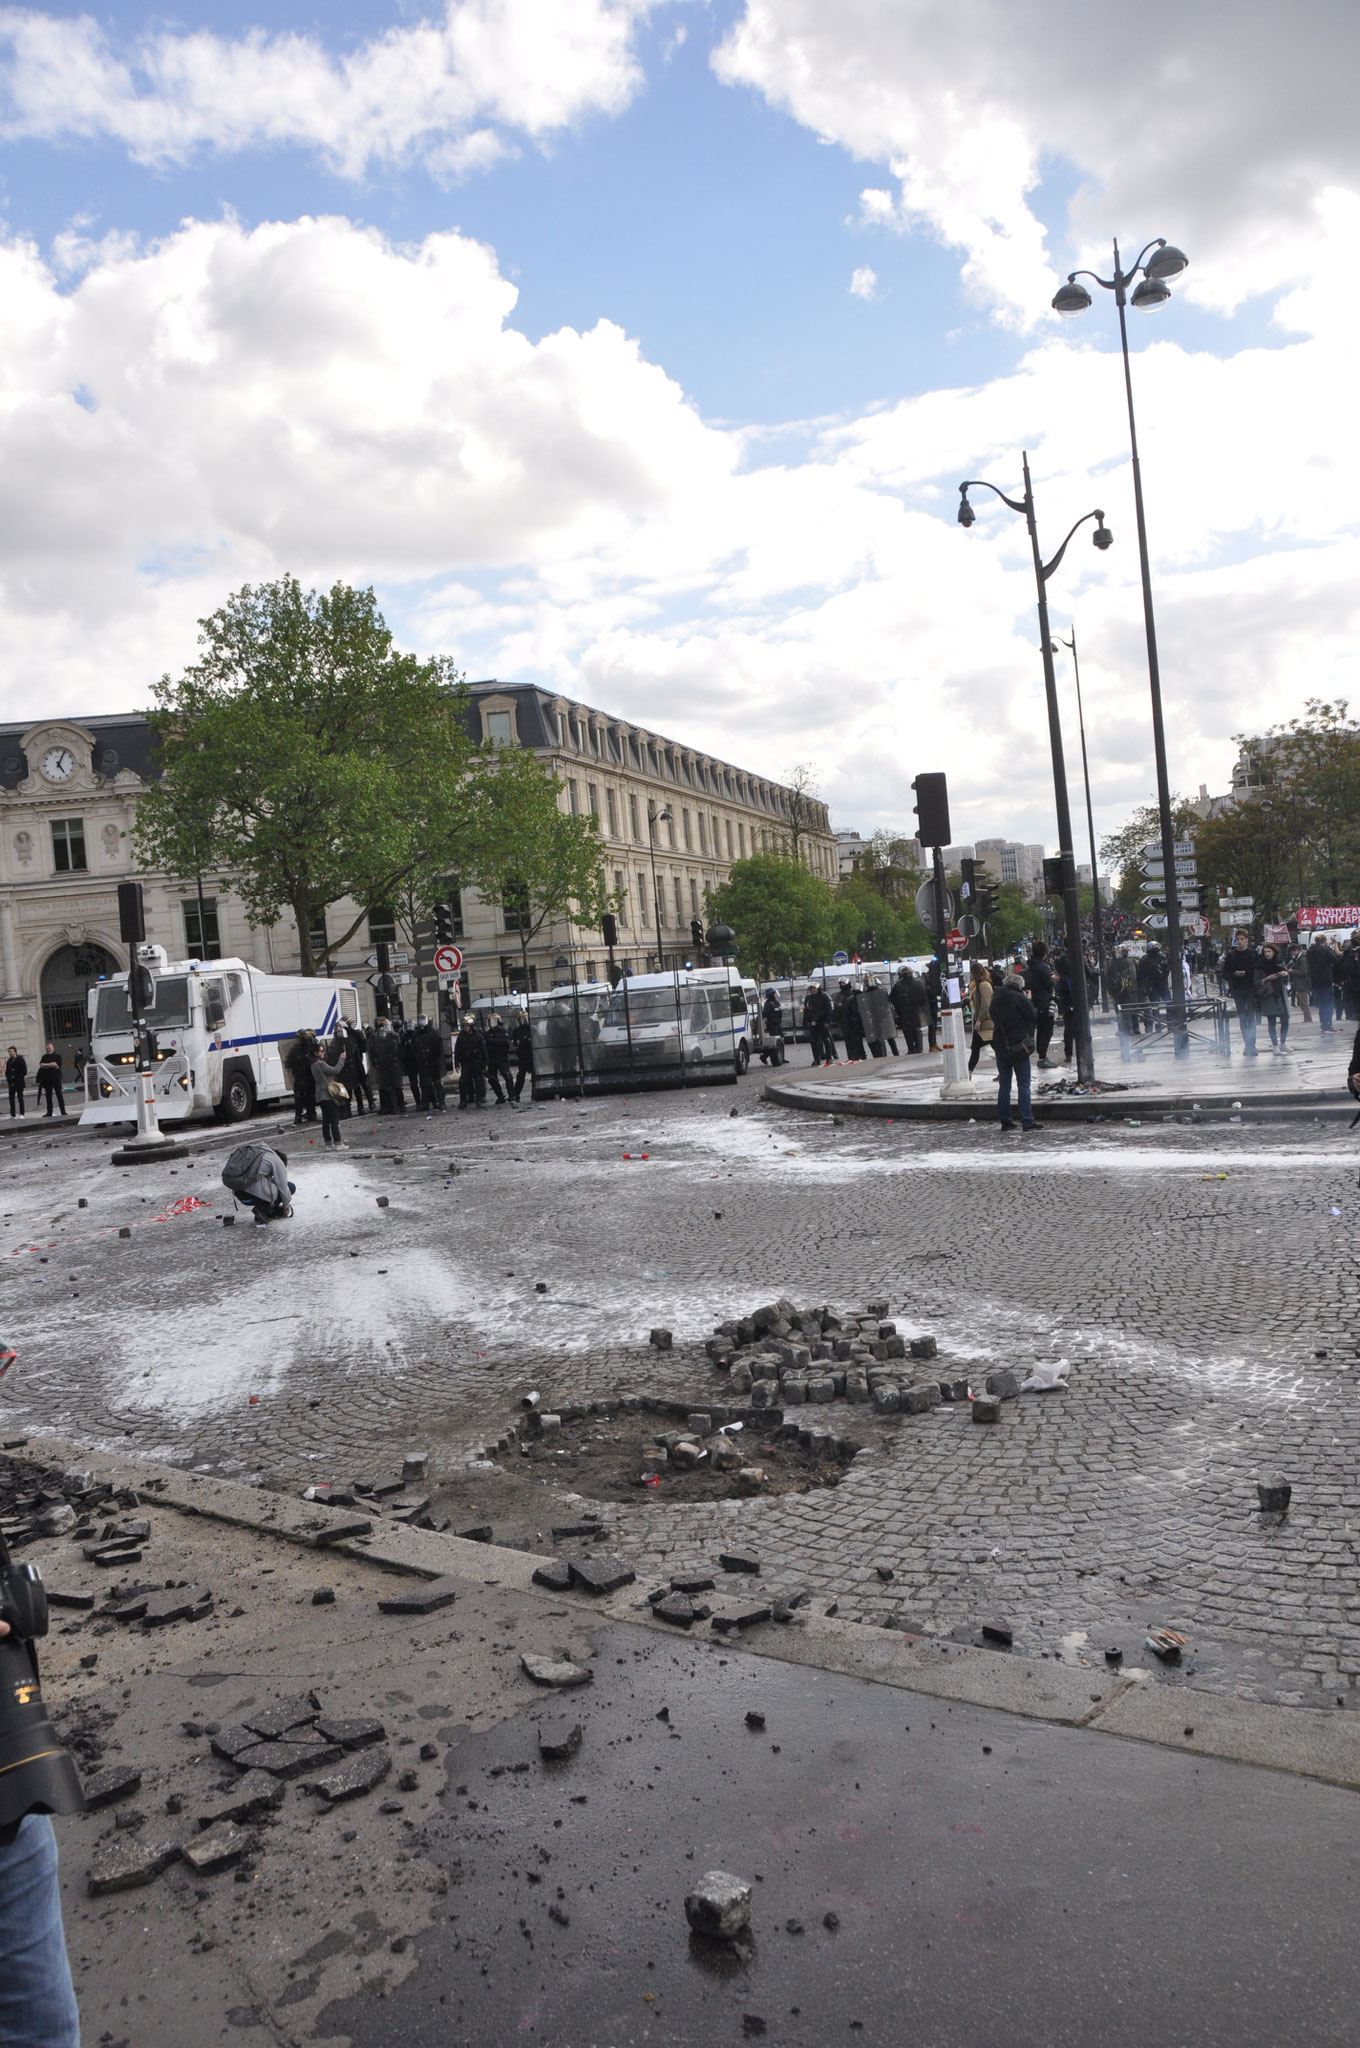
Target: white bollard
954	1045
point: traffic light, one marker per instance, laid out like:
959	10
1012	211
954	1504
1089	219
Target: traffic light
984	904
932	809
444	933
696	933
1053	875
968	883
131	913
609	926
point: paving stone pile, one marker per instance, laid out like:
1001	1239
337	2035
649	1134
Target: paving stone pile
780	1356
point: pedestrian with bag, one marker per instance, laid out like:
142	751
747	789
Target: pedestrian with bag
50	1082
16	1073
331	1092
258	1177
1015	1023
982	1014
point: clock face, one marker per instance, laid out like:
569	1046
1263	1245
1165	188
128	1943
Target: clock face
58	764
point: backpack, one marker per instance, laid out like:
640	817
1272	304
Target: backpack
242	1169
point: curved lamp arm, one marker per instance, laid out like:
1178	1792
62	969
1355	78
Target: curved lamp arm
980	484
1049	567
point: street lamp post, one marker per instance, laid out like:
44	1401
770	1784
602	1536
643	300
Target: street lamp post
1097	927
1158	261
655	818
1101	538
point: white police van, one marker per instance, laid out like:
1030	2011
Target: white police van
221	1031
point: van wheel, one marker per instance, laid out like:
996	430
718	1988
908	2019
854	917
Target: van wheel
238	1099
743	1057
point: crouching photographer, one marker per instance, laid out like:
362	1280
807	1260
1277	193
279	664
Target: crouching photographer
37	1779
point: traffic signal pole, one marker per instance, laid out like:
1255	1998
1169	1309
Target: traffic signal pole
150	1142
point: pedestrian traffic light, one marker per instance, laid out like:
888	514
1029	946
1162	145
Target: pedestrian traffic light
609	926
443	924
131	913
932	809
696	932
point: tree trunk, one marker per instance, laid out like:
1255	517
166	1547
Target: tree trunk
302	917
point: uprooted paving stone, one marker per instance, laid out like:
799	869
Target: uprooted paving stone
359	1772
219	1846
555	1671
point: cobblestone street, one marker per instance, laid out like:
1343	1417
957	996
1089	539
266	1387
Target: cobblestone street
1200	1282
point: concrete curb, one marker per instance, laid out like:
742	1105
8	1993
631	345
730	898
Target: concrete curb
1305	1741
1081	1109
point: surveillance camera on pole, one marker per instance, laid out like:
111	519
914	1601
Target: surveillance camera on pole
150	1143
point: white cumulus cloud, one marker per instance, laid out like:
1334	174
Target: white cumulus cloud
864	283
441	89
179	418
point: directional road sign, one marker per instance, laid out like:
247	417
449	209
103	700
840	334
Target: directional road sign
447	959
1182	848
1188	899
402	980
397	959
1154	870
1236	902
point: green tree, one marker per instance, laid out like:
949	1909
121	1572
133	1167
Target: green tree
305	755
1304	776
1014	919
780	912
879	923
1251	849
1121	853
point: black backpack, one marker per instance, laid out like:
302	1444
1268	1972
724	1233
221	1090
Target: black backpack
242	1169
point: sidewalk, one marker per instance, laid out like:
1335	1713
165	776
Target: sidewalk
1309	1079
860	1780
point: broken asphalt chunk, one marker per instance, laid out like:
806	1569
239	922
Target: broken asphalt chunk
601	1574
270	1722
719	1905
733	1615
218	1846
359	1773
555	1671
1273	1495
557	1740
423	1599
555	1575
354	1734
675	1607
117	1782
287	1759
185	1603
130	1858
256	1793
738	1561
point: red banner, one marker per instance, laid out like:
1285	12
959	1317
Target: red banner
1339	914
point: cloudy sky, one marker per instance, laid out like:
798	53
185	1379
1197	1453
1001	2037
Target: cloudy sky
639	350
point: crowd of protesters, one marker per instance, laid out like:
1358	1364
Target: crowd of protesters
362	1072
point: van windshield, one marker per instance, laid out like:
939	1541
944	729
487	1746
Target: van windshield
170	1010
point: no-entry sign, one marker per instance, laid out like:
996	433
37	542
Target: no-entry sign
447	959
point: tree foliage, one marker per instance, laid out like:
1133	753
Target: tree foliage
781	913
306	756
876	922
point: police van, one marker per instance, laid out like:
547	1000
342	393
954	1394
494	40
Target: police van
220	1032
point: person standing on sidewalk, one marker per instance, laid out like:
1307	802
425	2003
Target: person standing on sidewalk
50	1082
1239	978
1272	996
356	1071
1298	982
1038	980
1322	979
1014	1026
498	1060
818	1018
908	999
523	1042
16	1073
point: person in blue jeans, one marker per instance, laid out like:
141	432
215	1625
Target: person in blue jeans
37	1999
1014	1023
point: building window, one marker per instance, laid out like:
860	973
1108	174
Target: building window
574	797
516	978
670	829
703	833
741	835
729	838
633	817
689	836
693	897
642	895
621	892
317	934
201	944
382	927
611	806
68	846
515	907
593	801
679	900
500	728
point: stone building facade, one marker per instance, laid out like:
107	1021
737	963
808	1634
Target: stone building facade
68	803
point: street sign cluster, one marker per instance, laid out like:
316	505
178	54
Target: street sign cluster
1185	868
